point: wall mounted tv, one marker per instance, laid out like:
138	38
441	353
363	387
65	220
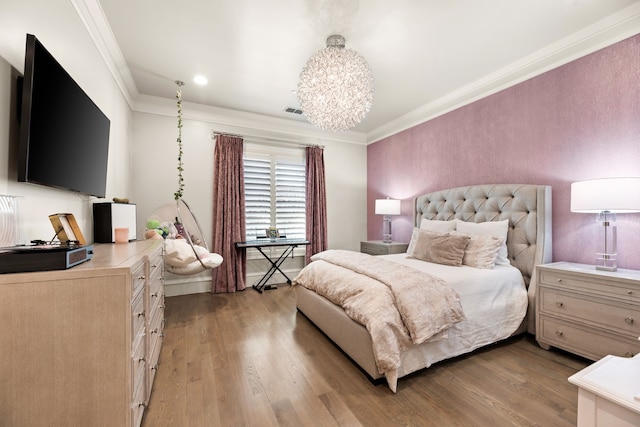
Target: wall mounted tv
64	137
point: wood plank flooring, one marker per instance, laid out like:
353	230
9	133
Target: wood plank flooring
249	359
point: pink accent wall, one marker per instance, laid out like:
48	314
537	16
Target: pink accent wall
576	122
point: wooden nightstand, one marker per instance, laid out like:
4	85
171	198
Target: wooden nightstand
586	311
378	247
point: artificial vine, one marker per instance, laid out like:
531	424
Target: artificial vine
178	194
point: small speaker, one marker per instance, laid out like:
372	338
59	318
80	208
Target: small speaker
109	216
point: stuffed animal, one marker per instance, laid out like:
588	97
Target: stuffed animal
166	230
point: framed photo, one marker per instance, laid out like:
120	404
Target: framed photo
272	233
66	228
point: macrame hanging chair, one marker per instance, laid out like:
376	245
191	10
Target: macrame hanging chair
186	249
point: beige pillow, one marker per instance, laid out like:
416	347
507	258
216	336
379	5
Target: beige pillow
482	251
489	228
439	248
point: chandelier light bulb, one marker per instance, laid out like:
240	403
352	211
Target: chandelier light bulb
336	87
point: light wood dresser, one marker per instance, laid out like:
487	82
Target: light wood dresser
586	311
81	346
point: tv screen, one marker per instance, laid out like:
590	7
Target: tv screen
64	137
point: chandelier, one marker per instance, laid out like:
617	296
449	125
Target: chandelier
336	87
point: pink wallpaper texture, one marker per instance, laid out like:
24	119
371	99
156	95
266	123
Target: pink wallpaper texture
576	122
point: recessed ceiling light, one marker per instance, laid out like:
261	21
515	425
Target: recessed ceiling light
200	80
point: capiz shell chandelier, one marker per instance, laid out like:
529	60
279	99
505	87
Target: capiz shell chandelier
336	87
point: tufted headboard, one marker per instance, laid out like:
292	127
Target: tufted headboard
527	207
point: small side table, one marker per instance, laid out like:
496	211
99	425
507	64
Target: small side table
378	247
609	392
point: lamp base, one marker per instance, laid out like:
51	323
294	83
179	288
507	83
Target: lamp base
606	268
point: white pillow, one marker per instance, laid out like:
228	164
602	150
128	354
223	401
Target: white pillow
489	228
178	253
437	226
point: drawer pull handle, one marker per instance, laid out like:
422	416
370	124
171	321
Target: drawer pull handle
155	294
559	304
629	292
559	333
628	354
154	368
141	404
154	331
559	280
629	320
140	314
141	277
142	359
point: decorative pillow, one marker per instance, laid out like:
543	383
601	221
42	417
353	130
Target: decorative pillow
482	251
489	228
178	253
439	248
437	226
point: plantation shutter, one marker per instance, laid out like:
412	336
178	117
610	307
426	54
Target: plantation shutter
274	195
257	193
290	199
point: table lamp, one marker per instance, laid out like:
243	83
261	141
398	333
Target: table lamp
606	197
387	207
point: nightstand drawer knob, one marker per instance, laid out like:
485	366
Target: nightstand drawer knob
629	320
559	280
559	333
559	304
629	292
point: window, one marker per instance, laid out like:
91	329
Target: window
275	192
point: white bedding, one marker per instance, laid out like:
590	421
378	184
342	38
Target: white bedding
494	302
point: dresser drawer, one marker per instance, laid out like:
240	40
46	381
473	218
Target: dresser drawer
622	317
138	276
599	285
587	342
138	315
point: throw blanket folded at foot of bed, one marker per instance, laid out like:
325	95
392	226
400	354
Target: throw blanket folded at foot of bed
397	304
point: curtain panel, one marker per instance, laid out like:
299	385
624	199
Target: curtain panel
228	214
316	213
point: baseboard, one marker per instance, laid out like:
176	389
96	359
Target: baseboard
185	285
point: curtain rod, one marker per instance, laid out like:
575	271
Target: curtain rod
267	140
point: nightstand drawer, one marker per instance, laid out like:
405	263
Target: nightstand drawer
585	341
596	283
600	312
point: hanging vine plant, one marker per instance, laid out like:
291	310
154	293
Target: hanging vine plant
178	194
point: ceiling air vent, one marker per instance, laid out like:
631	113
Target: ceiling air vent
293	110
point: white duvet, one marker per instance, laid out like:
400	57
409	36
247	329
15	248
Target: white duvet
494	302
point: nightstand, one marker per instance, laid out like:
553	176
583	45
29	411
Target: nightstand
378	247
586	311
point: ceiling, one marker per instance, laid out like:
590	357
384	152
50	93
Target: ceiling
426	55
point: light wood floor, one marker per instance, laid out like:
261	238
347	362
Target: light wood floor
249	359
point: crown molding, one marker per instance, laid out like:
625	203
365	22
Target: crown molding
94	20
224	120
606	32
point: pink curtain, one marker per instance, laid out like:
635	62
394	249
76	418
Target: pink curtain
228	214
316	215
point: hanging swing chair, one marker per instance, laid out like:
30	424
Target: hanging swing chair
186	250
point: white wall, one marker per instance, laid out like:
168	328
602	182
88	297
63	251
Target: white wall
155	180
58	27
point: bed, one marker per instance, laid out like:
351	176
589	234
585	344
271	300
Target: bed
527	211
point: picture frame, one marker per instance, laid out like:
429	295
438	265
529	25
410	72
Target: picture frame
66	228
272	233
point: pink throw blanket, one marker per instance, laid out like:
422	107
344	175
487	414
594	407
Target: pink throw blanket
397	304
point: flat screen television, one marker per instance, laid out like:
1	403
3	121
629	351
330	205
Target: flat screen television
64	137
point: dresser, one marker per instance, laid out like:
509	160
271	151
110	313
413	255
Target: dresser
81	346
378	247
586	311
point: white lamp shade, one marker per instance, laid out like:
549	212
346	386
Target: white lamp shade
618	195
387	207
